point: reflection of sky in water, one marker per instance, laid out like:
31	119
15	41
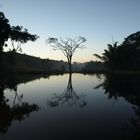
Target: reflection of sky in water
100	115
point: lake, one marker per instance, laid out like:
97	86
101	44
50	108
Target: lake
72	107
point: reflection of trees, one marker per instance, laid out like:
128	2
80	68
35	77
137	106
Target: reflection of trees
122	86
128	87
68	97
19	110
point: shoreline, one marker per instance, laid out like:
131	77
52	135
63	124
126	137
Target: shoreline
124	72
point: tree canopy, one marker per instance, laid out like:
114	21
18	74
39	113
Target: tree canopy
17	34
20	35
133	40
124	56
4	30
67	46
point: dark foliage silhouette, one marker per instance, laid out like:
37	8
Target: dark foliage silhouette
4	35
4	30
17	34
125	56
20	35
133	40
109	56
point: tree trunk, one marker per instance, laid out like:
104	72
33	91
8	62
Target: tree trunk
69	63
70	70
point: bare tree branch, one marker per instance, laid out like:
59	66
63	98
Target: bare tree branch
68	46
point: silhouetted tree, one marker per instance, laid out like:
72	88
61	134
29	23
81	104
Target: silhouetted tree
132	44
4	33
125	56
109	56
20	35
133	40
67	46
4	30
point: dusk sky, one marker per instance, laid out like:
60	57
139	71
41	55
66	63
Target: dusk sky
99	21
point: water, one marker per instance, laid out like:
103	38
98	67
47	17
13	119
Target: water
69	107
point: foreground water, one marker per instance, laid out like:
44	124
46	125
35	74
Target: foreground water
70	107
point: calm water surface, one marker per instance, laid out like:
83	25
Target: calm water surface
69	107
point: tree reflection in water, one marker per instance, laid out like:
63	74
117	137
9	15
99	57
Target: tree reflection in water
68	97
19	110
128	87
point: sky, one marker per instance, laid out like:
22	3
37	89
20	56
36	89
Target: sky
100	21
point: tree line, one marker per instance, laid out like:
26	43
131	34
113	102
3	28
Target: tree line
125	56
19	35
16	34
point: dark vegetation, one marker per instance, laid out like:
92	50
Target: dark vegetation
94	67
22	63
125	56
18	35
14	62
